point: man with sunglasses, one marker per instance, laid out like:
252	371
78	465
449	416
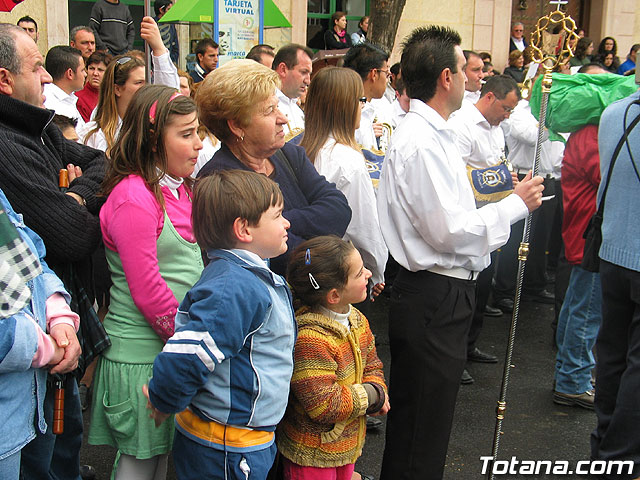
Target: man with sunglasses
517	42
34	150
372	64
481	143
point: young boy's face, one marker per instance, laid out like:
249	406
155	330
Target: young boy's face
270	235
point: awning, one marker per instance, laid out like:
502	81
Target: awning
201	11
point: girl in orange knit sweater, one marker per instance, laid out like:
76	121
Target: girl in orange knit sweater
337	377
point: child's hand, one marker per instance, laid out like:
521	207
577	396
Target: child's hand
58	353
385	408
376	290
156	414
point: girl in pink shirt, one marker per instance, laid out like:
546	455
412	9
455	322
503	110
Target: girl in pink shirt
154	260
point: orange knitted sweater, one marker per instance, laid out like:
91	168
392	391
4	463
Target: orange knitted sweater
324	425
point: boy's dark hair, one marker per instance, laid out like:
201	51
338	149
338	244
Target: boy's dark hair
219	199
27	18
400	86
426	52
159	4
500	86
203	44
289	55
326	263
63	122
365	57
60	59
395	68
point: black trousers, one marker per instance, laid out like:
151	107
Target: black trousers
534	273
483	289
429	320
617	401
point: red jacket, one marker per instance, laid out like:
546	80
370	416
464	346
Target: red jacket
87	101
580	180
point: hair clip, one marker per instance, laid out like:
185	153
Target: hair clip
154	106
314	284
307	257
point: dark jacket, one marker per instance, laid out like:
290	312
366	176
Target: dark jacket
198	73
332	41
33	152
113	27
312	205
169	36
516	73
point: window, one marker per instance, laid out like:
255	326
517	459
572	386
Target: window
319	15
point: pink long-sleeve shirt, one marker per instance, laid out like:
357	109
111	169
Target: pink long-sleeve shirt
131	221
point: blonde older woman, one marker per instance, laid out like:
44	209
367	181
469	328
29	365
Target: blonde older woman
238	104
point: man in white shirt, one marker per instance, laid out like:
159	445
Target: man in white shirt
292	63
400	105
475	73
481	143
433	229
66	66
372	64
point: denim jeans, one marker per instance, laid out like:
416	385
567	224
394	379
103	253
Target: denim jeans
578	325
56	457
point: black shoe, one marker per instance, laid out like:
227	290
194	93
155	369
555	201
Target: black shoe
466	378
504	304
476	355
543	296
374	424
490	311
367	477
87	472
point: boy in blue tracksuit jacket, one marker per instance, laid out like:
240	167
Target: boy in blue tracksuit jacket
228	366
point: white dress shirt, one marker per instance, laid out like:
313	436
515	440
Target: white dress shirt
397	113
164	71
521	134
206	154
292	110
97	139
345	167
378	110
427	211
480	144
519	43
472	97
61	102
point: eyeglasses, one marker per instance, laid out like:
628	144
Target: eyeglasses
386	72
363	101
508	110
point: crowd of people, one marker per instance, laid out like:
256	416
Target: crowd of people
201	250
